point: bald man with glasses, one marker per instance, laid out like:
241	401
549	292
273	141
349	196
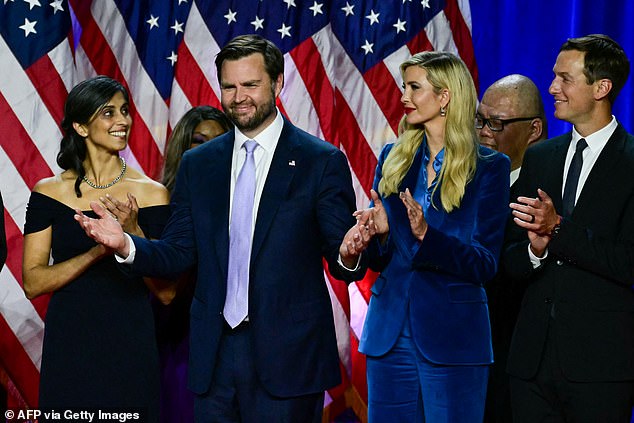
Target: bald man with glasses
509	119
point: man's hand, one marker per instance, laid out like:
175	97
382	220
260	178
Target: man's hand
105	229
539	217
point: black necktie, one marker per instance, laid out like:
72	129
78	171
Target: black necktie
572	180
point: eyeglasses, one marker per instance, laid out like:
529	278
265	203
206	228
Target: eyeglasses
497	125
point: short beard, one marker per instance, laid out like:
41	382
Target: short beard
261	114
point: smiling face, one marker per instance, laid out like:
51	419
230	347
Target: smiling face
248	94
109	127
574	97
422	104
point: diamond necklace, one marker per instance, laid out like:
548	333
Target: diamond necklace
117	179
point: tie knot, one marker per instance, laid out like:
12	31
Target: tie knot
581	145
250	145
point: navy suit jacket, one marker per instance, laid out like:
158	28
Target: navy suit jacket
589	271
440	281
304	212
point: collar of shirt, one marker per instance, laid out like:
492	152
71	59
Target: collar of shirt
596	142
422	193
267	139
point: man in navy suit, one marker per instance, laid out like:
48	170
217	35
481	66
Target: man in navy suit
572	242
274	364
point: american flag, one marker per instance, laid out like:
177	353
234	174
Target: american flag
342	84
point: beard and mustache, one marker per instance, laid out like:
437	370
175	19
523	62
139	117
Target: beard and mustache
249	122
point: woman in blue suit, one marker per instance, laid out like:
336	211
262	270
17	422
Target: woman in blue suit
440	207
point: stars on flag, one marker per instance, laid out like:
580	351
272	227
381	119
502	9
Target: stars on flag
230	16
290	3
28	27
349	9
177	27
373	17
400	26
316	8
285	30
257	23
32	3
367	47
153	21
172	58
57	6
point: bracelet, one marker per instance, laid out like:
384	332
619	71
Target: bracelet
555	231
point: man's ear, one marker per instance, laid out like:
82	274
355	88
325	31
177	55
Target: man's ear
536	130
602	88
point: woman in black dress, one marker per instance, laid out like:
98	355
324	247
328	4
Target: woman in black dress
99	344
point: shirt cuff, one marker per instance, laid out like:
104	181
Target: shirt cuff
131	254
340	261
536	261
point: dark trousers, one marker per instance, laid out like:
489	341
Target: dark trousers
236	394
549	397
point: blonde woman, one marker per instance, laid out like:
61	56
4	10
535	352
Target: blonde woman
440	206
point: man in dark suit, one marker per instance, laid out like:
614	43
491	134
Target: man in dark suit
263	344
510	118
572	241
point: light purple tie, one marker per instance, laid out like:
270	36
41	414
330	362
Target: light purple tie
237	299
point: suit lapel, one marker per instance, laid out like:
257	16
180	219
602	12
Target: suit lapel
602	173
219	170
552	180
286	159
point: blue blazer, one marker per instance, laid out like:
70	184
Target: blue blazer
439	284
305	210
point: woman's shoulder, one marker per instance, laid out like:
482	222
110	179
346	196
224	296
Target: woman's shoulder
55	186
147	191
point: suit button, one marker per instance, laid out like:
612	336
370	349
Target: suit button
560	262
548	300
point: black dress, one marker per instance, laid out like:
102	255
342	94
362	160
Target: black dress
99	343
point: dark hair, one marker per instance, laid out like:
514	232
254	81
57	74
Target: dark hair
246	45
83	102
180	140
604	58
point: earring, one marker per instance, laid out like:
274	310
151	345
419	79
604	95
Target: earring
443	111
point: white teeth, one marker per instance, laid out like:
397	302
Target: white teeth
118	133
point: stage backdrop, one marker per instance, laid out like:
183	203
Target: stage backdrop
524	37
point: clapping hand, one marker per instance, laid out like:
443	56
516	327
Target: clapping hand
415	213
105	229
125	213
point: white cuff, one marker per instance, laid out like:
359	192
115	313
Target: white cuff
536	261
131	254
345	267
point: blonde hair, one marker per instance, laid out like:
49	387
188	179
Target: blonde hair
444	71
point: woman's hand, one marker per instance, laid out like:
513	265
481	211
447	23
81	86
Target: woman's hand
126	214
415	213
374	216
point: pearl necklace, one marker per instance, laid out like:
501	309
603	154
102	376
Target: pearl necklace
117	179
